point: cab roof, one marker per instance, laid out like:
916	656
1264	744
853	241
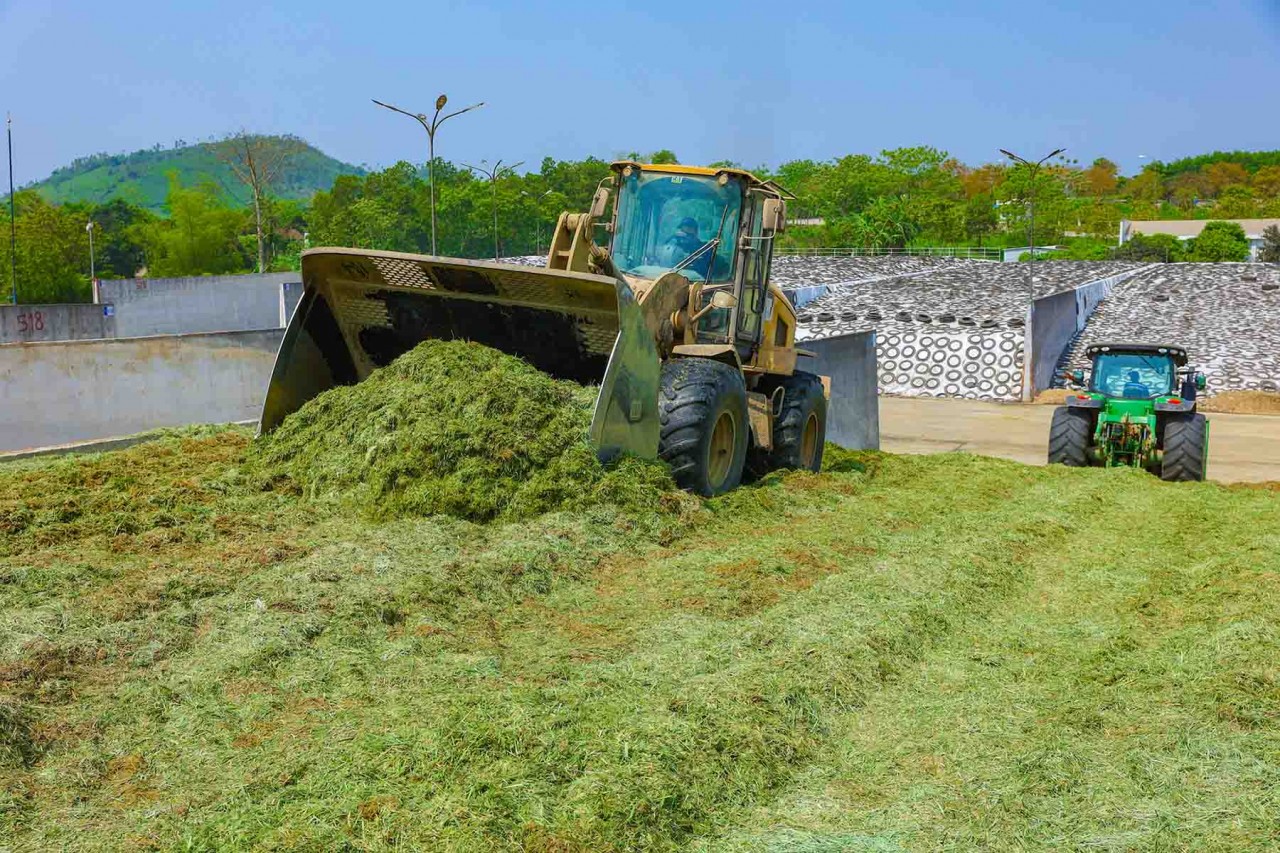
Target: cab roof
1178	354
704	171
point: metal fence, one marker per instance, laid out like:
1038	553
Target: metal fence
983	254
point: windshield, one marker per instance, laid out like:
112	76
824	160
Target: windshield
1133	376
665	221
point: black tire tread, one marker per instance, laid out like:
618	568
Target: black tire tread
1069	437
689	392
1184	449
801	390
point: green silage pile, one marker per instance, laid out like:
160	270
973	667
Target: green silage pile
454	428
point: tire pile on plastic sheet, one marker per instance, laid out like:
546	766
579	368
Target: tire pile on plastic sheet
1226	315
804	270
953	332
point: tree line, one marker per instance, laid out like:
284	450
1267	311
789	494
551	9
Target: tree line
900	197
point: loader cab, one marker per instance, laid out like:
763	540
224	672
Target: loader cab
713	226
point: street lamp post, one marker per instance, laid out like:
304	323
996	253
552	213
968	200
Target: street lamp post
13	217
1027	379
493	174
431	127
92	277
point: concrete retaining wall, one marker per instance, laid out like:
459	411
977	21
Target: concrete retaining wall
1055	322
63	322
179	306
805	294
853	415
56	393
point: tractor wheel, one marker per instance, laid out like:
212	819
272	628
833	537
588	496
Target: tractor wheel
702	408
1185	449
1069	437
799	431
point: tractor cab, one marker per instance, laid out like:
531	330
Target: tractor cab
1142	372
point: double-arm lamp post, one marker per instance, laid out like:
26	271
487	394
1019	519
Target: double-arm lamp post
431	126
1034	168
493	174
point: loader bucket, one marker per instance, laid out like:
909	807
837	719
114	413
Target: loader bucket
360	309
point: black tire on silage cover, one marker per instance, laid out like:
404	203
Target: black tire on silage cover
1069	436
695	393
1185	449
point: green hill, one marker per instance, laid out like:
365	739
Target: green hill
141	177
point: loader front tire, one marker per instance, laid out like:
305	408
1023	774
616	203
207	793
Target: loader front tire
702	408
1185	449
1069	436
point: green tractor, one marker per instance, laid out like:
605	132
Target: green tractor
1138	409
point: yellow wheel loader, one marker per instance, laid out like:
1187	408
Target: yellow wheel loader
673	316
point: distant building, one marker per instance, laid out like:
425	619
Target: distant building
1189	229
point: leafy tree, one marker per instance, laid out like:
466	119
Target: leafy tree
1223	175
1236	202
1266	182
980	217
52	251
1053	208
1148	185
1220	241
200	237
1270	251
119	254
1151	248
1101	179
982	180
1188	188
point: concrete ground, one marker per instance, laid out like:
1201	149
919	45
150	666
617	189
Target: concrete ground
1242	448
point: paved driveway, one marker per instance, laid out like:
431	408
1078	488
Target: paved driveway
1242	448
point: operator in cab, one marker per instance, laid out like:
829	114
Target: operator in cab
684	243
1135	388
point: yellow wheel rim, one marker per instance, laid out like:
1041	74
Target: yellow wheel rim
720	453
809	441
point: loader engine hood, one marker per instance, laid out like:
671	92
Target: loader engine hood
362	309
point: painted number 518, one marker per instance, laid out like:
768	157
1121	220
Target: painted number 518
33	322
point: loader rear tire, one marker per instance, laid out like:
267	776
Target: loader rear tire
799	431
702	408
1069	437
1185	449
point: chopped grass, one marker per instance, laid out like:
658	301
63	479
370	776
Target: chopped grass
455	428
899	653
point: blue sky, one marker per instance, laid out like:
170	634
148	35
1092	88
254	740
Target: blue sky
756	83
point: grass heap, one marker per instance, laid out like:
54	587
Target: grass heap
459	429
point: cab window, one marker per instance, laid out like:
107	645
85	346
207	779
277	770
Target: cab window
670	221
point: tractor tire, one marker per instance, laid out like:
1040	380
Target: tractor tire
1185	449
799	431
702	408
1069	437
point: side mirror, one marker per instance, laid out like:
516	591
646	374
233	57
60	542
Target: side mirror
723	299
1077	376
775	215
599	203
719	299
1201	382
